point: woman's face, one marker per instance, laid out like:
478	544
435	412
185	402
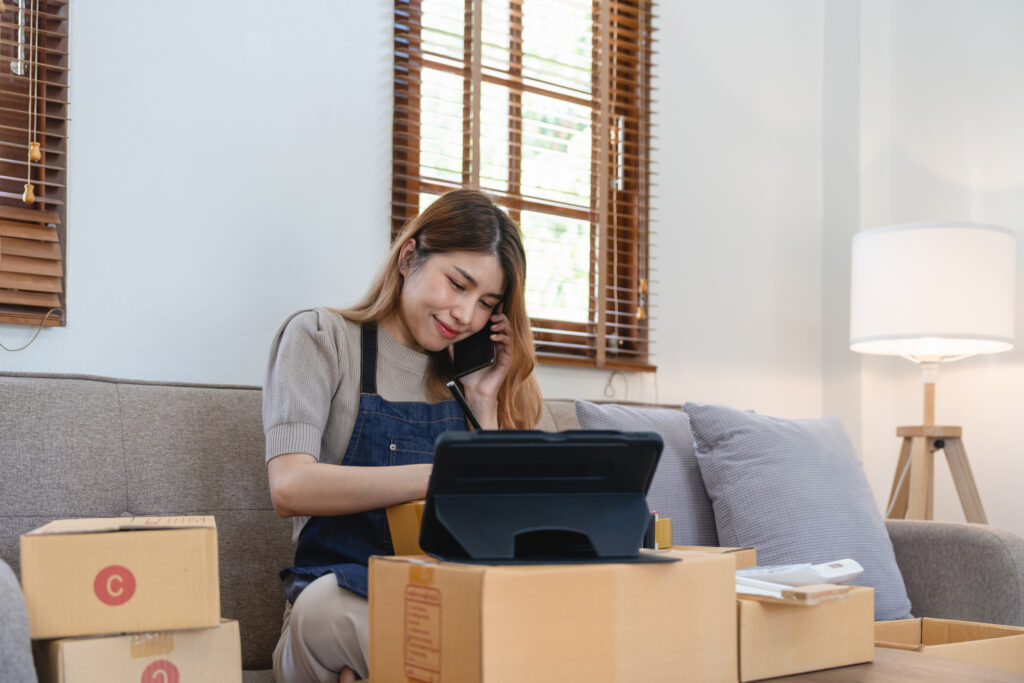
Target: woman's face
447	298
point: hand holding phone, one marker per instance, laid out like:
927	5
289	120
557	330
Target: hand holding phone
473	353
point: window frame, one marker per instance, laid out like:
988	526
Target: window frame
33	237
617	333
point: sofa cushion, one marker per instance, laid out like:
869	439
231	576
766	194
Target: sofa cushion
61	453
796	490
200	450
677	490
79	446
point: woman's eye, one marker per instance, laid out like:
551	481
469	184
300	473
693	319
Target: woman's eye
486	305
456	285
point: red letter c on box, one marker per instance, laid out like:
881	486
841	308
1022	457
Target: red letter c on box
114	585
160	671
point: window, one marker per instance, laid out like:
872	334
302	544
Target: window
33	152
545	104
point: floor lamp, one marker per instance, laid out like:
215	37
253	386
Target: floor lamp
932	293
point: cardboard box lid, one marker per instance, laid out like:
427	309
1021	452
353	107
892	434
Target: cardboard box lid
427	563
992	645
915	634
715	549
93	525
745	556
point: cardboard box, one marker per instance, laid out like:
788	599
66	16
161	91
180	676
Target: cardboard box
404	526
778	640
210	655
997	646
745	557
461	623
93	576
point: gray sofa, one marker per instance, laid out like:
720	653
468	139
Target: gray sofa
79	446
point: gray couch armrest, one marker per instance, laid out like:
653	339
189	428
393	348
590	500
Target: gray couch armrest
972	572
15	648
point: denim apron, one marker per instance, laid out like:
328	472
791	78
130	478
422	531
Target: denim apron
385	433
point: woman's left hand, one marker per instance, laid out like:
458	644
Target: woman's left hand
482	386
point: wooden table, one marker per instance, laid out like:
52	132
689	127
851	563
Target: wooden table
899	666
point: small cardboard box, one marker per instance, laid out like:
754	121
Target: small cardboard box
467	623
209	655
404	522
745	557
778	640
997	646
93	576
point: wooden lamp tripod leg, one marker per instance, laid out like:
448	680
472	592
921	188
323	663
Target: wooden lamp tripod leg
922	466
970	499
913	491
897	508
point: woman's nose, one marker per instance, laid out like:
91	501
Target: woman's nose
460	312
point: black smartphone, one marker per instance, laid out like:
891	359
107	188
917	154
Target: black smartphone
474	352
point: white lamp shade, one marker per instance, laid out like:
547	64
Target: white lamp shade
933	291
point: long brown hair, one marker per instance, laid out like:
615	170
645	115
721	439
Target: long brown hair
467	220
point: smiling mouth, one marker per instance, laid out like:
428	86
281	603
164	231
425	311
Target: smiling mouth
445	330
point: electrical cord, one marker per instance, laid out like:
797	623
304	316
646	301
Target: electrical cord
39	329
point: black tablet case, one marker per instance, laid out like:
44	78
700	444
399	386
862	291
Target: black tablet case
510	497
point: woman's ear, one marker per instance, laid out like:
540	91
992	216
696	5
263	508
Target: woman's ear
405	256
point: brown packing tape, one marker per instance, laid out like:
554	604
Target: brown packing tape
151	644
422	624
663	532
421	574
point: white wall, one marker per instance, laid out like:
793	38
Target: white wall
228	163
222	179
739	202
943	140
737	284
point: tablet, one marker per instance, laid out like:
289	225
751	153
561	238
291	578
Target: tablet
538	497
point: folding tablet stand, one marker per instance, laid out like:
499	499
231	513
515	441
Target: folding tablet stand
531	497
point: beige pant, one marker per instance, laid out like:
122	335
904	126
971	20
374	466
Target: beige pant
326	630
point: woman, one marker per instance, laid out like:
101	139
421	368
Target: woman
354	399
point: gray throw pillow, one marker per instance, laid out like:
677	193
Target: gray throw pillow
677	490
796	491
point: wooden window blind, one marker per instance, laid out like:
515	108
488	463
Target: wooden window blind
544	104
33	107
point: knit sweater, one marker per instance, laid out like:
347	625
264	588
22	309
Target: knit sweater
311	392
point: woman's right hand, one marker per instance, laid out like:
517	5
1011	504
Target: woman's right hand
483	385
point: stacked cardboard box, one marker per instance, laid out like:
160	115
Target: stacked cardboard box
780	640
128	599
459	623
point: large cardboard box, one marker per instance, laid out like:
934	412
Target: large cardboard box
745	557
92	576
466	623
210	655
997	646
778	640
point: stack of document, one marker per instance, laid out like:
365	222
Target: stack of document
806	584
